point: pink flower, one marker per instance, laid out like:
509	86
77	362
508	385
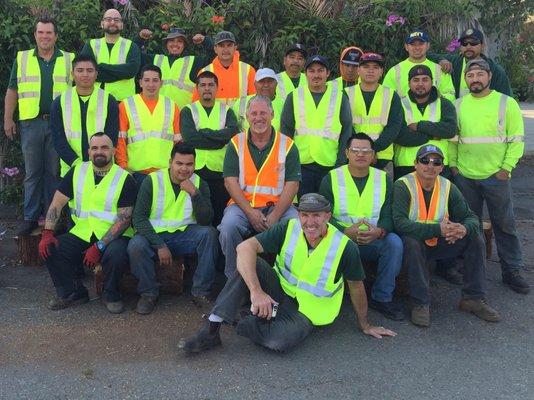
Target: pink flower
217	19
394	18
453	45
11	172
122	2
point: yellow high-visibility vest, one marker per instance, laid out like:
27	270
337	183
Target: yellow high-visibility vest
176	82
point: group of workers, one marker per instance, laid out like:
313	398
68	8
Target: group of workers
213	156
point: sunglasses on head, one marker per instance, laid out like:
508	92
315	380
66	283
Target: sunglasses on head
465	43
438	162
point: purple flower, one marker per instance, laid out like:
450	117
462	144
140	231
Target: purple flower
10	171
394	18
453	45
122	2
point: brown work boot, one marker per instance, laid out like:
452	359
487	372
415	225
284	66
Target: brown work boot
480	308
421	316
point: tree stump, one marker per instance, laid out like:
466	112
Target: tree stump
28	246
488	236
170	278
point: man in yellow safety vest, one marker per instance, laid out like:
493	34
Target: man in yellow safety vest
292	77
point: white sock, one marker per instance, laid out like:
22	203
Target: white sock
215	318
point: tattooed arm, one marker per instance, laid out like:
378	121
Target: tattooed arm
54	211
124	218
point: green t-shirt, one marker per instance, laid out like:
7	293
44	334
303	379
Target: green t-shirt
350	265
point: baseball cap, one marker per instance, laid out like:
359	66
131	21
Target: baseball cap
317	59
174	33
477	63
351	55
419	70
224	36
263	73
429	149
472	33
297	47
372	57
418	34
313	202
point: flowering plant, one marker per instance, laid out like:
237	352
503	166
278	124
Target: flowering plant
217	19
395	19
9	172
453	45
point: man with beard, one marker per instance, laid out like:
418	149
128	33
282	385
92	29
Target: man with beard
118	58
80	112
490	143
318	118
101	196
179	71
265	83
471	47
37	77
208	125
287	301
348	67
292	77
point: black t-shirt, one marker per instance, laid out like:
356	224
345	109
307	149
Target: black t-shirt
126	198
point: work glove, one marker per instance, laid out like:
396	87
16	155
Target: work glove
92	256
47	239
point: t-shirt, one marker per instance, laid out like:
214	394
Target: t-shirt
350	265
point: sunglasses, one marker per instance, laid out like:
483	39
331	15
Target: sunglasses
437	162
364	151
465	43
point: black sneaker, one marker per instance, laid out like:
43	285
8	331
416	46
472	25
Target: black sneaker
59	303
516	282
146	303
26	227
388	309
202	340
451	275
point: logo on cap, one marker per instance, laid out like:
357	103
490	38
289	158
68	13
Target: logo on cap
416	34
316	58
469	32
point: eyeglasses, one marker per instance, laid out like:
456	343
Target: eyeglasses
437	162
112	19
364	151
465	43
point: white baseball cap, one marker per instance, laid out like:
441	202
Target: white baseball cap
263	73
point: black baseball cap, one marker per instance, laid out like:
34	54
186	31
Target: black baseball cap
175	33
317	59
372	57
472	33
429	149
419	70
297	47
351	55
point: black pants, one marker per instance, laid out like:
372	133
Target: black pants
285	331
311	179
65	266
218	194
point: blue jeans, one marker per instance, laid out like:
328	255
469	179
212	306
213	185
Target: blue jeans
41	164
388	253
498	197
198	239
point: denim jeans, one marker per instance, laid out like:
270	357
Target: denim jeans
41	164
286	330
234	227
498	197
416	253
388	253
198	239
65	266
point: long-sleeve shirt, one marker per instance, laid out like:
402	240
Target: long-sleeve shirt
62	146
287	127
121	155
458	210
202	210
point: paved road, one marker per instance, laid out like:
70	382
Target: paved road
527	109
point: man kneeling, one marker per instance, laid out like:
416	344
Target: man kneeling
304	289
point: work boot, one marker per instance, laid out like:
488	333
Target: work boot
388	309
480	308
76	298
451	275
146	303
114	307
26	227
516	282
206	338
421	316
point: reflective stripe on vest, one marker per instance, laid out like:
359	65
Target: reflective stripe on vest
501	126
349	205
178	90
285	84
169	213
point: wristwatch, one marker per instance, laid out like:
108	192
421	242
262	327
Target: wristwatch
100	245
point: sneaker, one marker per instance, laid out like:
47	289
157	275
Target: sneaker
26	227
516	282
114	307
202	340
59	303
421	316
146	303
388	309
480	308
451	275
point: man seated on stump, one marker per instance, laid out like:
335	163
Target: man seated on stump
435	222
361	198
262	174
304	289
172	217
101	196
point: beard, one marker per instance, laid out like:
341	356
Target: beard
478	89
100	161
112	31
421	95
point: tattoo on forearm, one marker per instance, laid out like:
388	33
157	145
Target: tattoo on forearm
124	217
52	216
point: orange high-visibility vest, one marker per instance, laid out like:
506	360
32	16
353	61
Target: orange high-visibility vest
266	185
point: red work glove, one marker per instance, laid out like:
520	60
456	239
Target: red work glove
92	256
47	239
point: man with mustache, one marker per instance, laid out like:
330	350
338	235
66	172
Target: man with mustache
118	58
304	289
292	76
490	143
101	196
348	67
